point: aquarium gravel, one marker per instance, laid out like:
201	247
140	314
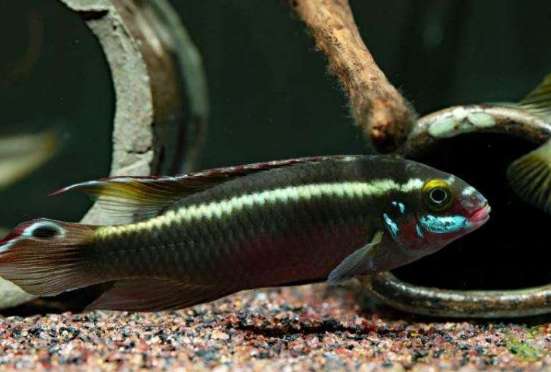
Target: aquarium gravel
282	329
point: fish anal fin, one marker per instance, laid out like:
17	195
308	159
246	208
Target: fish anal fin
145	197
155	295
357	263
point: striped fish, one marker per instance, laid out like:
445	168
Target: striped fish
205	235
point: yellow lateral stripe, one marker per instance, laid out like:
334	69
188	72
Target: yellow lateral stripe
219	209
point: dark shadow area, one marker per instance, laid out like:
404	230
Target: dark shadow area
290	331
512	249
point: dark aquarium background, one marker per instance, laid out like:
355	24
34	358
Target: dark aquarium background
271	97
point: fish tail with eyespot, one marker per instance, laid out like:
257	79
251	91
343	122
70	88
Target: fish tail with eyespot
46	257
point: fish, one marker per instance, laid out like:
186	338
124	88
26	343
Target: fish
21	154
202	236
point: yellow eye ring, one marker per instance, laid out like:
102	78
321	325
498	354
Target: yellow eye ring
437	194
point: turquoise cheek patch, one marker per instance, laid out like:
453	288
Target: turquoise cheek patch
443	225
391	225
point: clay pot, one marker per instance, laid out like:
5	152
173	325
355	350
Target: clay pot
142	43
500	270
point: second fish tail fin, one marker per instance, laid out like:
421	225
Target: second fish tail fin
47	257
538	101
530	177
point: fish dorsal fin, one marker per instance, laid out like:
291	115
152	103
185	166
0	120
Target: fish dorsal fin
538	101
155	295
145	197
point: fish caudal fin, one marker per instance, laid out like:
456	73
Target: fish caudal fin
47	257
530	177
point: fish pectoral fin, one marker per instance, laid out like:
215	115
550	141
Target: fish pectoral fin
357	263
145	197
538	101
155	295
530	177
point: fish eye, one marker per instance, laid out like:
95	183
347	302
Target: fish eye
438	195
43	231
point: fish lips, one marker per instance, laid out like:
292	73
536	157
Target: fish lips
480	216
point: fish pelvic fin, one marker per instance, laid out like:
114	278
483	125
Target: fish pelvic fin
146	197
538	101
47	257
530	177
155	295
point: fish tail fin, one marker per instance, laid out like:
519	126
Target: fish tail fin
46	257
530	177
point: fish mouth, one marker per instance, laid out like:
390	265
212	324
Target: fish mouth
480	216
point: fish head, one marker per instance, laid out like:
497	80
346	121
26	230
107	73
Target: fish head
437	209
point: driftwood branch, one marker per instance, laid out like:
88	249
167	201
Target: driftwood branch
379	110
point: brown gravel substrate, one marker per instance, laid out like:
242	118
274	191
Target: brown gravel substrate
304	328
